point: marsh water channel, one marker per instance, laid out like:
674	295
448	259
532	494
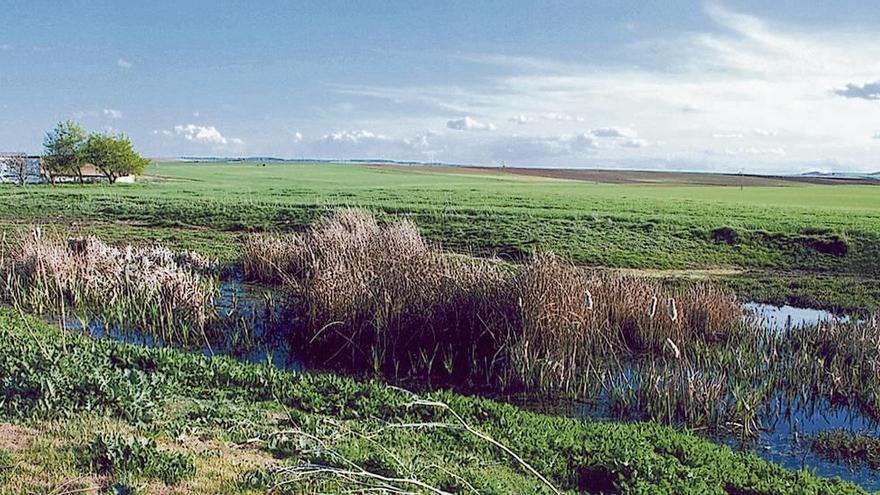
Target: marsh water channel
254	322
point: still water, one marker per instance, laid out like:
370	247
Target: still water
255	317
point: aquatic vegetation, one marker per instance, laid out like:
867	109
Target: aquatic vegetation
281	417
378	298
848	447
381	297
151	288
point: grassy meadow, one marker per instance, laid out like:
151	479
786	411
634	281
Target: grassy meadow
781	242
420	299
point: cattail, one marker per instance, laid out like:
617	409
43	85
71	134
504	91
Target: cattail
673	311
675	351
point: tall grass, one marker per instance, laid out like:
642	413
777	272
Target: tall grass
380	297
170	295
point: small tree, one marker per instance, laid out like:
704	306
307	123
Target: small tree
114	156
18	164
63	148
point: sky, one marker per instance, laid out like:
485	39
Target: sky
734	85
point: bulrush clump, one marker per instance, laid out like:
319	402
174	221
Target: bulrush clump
557	325
149	288
272	258
379	297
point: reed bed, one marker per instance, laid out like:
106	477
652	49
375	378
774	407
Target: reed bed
152	289
381	297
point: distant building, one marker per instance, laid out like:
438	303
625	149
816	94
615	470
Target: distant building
8	174
35	175
91	175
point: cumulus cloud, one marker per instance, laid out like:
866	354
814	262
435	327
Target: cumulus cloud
354	137
372	144
469	124
748	77
634	143
297	137
562	117
112	113
581	142
123	63
758	151
763	132
867	91
205	135
520	119
614	132
420	141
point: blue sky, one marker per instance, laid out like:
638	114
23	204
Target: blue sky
781	86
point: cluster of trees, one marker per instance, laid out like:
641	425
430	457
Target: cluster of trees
67	149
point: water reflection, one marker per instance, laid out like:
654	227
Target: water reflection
788	317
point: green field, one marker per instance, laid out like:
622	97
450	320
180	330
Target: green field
799	243
88	415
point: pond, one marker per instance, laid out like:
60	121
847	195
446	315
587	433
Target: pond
787	317
257	326
253	319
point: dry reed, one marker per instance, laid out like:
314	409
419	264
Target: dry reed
380	297
150	288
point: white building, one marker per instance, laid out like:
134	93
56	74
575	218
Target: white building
8	173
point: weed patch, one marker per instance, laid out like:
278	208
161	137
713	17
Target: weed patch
122	455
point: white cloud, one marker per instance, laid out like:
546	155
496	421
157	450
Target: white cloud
297	137
634	143
5	47
748	78
583	142
758	151
420	141
204	135
877	135
763	132
125	64
614	132
112	113
521	119
562	117
364	143
354	137
469	124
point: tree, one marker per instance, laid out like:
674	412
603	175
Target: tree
18	164
63	148
114	156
